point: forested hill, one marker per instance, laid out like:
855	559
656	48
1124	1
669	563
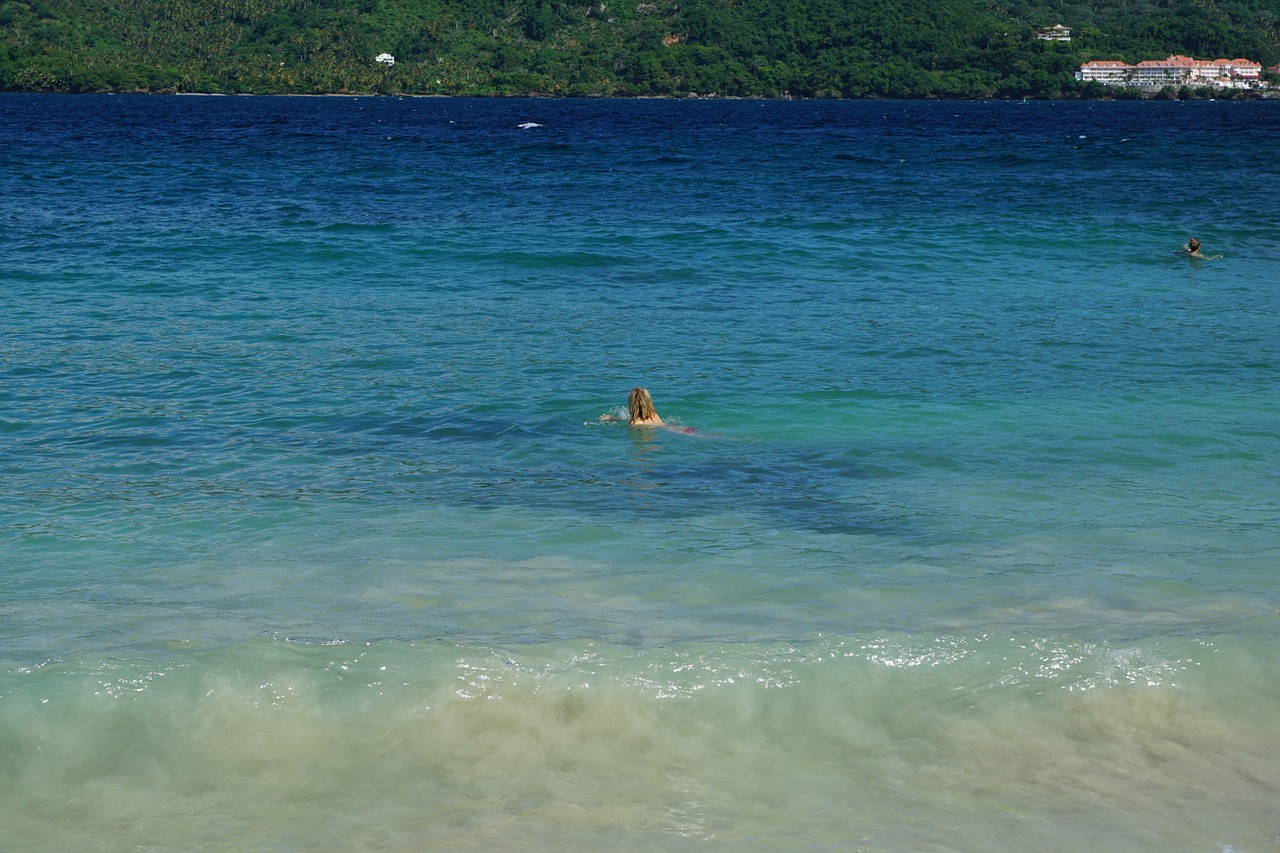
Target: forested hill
770	48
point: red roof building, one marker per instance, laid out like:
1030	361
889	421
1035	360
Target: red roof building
1175	70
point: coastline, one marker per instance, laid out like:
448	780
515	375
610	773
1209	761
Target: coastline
1129	94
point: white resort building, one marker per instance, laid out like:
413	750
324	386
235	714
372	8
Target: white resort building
1174	71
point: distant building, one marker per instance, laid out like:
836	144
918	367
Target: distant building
1174	71
1106	71
1055	33
385	59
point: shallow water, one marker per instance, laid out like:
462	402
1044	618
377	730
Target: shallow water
312	538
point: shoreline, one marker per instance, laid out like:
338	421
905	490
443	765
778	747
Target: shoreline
1198	94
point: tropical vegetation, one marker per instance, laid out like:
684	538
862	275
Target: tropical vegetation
742	48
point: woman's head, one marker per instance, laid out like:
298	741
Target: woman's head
640	405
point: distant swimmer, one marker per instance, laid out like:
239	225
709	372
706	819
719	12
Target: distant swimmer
641	412
1193	249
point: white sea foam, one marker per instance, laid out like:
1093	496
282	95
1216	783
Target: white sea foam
617	747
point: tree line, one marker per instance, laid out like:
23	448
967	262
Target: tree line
737	48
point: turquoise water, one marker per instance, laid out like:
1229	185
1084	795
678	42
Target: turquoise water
312	538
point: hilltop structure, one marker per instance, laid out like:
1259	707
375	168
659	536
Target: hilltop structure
1174	71
1055	33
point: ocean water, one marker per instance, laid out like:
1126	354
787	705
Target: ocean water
311	537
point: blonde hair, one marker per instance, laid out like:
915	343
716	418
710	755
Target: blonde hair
640	405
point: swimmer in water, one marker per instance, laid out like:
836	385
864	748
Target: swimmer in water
641	412
1193	249
639	408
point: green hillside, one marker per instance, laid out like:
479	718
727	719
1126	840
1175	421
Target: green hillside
770	48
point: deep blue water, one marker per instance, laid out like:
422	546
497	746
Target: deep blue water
312	538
